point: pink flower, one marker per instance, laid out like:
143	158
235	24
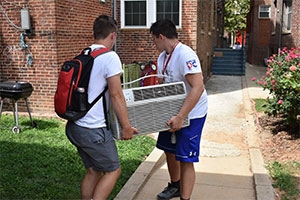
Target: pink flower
293	68
280	102
253	79
259	82
273	82
265	83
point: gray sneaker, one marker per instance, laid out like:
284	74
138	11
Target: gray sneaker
169	192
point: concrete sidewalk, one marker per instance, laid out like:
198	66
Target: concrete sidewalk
231	166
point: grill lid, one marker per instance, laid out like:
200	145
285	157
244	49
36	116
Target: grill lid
15	90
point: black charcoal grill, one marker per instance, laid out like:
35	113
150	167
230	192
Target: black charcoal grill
15	91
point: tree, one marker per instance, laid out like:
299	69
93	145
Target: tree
236	15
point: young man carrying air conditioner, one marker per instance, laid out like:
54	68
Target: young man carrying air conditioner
178	62
92	138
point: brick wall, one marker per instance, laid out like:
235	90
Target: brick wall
62	28
264	35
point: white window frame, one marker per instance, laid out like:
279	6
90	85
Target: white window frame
264	9
150	14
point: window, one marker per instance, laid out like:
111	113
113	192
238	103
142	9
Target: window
142	13
288	18
168	9
264	12
135	13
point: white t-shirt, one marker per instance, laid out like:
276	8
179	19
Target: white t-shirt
105	66
183	61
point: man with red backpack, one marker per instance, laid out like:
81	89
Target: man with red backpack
90	134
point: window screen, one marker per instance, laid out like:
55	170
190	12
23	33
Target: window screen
264	12
168	9
135	13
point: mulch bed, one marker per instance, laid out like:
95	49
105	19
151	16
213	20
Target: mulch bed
278	143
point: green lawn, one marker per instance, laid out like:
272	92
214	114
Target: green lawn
41	163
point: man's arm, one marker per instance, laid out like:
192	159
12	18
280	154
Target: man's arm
197	85
119	106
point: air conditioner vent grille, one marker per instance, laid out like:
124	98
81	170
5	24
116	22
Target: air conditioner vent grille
156	92
151	117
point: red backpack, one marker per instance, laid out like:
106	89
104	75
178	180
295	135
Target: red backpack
71	96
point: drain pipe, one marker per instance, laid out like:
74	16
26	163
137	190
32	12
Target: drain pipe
280	27
115	17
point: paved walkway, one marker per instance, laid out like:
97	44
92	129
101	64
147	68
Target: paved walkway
231	165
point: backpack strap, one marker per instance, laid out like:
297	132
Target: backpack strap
104	104
99	96
99	51
94	54
105	110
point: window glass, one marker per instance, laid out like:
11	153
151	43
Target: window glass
264	12
135	13
168	9
289	18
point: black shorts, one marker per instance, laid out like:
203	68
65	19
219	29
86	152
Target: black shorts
96	147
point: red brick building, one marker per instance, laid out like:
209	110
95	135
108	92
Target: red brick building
36	37
272	24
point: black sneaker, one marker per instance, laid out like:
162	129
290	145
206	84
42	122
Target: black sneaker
169	192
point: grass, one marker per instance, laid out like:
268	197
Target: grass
283	174
41	163
259	104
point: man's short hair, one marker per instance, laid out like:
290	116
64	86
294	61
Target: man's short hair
103	26
165	27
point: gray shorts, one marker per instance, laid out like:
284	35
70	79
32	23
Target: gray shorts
96	147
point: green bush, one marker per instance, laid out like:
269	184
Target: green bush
282	79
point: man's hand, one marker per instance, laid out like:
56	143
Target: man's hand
127	133
175	123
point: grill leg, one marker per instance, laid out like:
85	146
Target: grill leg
15	109
16	128
28	110
1	105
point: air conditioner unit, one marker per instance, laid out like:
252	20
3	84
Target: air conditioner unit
150	107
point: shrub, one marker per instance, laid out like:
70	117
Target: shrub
282	79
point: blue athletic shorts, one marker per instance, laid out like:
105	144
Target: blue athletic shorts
187	146
96	147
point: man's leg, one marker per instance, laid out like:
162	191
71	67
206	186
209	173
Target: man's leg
187	181
97	187
173	167
173	188
88	183
106	184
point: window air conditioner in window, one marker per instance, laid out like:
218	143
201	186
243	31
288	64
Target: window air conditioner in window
150	107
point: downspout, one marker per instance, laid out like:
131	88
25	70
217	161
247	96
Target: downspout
115	9
280	27
115	17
